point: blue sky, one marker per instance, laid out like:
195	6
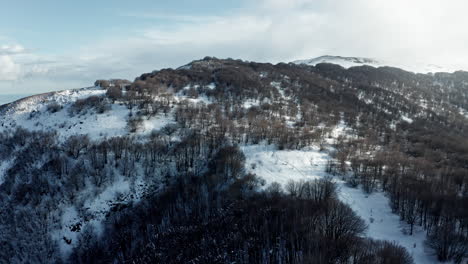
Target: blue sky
53	45
53	26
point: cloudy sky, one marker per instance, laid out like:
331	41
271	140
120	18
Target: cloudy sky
52	44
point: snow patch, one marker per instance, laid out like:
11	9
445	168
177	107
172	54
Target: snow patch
284	165
65	237
156	123
4	166
211	86
406	119
250	103
375	210
102	204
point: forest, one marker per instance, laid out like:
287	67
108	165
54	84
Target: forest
190	198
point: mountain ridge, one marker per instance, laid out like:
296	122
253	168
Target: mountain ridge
343	61
229	141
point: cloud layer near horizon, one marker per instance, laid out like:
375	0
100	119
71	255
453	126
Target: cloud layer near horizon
405	32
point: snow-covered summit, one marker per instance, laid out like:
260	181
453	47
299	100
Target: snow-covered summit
347	62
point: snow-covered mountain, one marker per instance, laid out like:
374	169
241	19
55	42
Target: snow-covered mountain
55	112
347	62
85	159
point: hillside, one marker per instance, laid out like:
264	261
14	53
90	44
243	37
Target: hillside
227	161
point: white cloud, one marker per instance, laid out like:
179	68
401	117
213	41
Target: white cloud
430	31
9	70
406	32
11	49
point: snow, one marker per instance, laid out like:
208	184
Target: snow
251	103
40	101
69	219
347	62
211	86
101	205
31	113
157	122
98	202
277	85
406	119
281	166
463	112
339	130
68	96
185	67
285	165
382	223
263	160
111	123
4	166
202	98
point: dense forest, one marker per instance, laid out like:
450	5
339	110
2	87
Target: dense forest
189	197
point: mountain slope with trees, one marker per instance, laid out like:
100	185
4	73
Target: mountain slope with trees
152	171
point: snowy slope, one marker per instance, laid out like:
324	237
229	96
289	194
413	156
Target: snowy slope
31	113
383	224
348	62
94	210
284	165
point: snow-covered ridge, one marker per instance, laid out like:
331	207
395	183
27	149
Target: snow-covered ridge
345	62
348	62
33	102
32	113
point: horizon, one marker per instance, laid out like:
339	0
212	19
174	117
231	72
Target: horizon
53	45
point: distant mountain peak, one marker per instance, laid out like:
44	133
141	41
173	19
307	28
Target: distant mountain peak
348	62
